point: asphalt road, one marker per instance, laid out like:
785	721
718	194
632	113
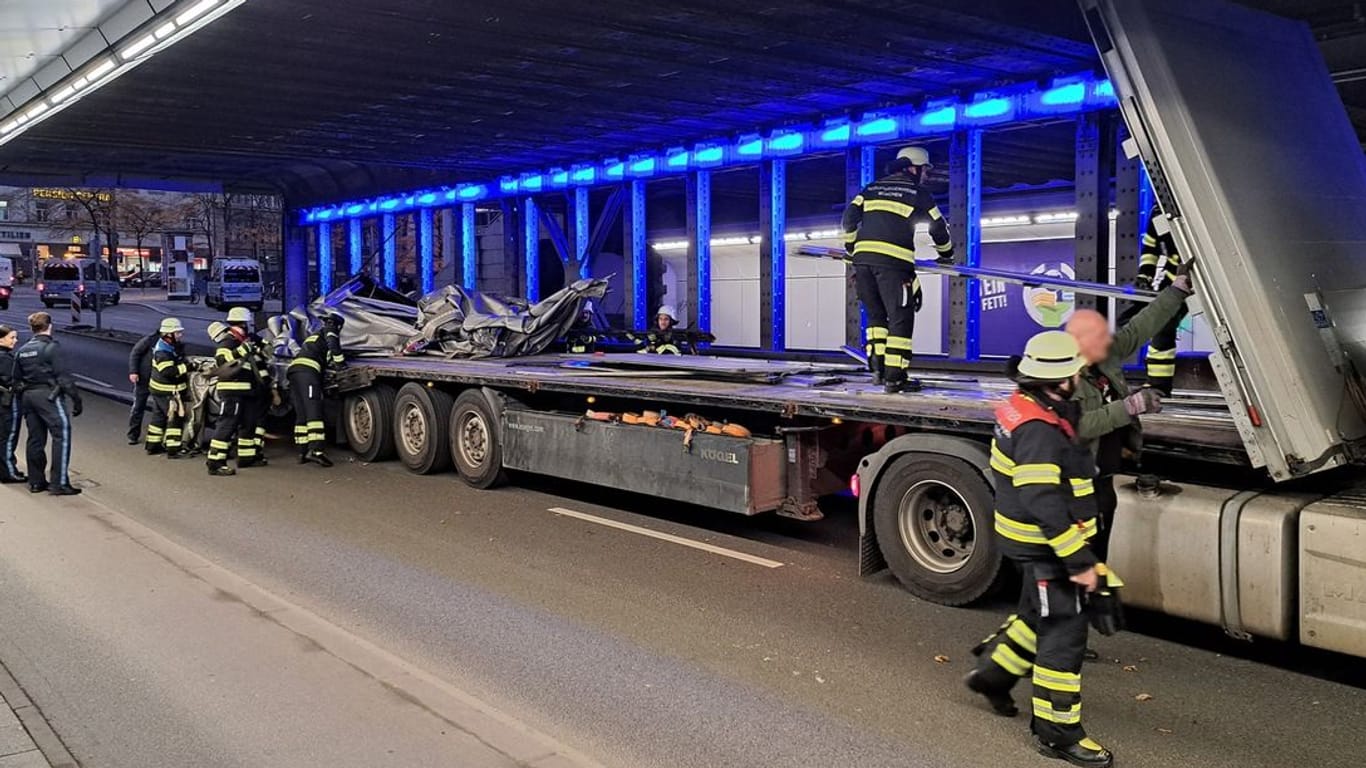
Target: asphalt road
638	651
139	312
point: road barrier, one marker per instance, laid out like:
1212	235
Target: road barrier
75	309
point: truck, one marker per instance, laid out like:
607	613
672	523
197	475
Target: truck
1259	522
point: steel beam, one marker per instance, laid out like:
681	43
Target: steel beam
1095	166
859	171
773	255
557	237
426	254
965	215
389	249
531	249
325	264
355	247
606	220
699	247
296	265
512	271
1130	214
469	248
448	241
582	204
638	270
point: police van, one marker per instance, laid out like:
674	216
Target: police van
6	280
235	283
61	279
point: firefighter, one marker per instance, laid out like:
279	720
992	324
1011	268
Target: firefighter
46	387
169	382
1045	514
235	419
320	352
879	234
10	413
263	394
1158	246
661	339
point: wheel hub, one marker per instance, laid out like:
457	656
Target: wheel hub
473	440
413	430
936	526
362	420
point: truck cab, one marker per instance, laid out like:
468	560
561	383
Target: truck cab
235	283
61	280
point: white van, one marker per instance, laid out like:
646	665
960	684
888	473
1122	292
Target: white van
234	283
6	280
60	279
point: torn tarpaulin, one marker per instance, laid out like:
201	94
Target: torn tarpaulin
451	321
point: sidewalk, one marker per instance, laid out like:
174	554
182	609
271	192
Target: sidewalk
22	727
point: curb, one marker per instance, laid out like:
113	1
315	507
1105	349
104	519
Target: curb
46	739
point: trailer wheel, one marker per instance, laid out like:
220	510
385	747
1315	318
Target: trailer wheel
933	517
369	423
422	417
476	441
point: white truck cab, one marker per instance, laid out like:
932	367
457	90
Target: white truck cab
235	283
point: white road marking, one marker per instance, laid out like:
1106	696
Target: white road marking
96	382
713	549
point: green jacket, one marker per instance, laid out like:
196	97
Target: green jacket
1099	418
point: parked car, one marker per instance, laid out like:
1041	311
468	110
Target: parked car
61	279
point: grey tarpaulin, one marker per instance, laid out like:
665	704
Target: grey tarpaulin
450	322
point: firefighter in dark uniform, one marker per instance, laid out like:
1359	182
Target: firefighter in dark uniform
169	383
1159	253
319	352
879	234
263	387
236	380
10	413
46	388
1045	514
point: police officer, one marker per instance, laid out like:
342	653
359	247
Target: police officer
235	419
169	382
46	387
1045	516
140	376
263	387
879	233
10	412
319	352
1159	250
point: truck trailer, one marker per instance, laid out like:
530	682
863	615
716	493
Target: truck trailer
1259	522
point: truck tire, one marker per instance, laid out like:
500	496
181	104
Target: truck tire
476	441
934	518
422	418
369	420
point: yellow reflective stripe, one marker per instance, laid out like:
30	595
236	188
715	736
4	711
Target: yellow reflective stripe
1149	260
1162	371
1149	241
1089	528
944	247
901	343
306	362
935	213
1161	354
1001	462
851	237
884	249
1010	661
1055	680
874	333
1067	543
337	359
857	202
234	386
157	386
1023	636
1037	474
1044	710
1082	488
162	365
889	206
893	360
224	355
1017	531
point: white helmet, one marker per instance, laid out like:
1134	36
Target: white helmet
171	325
217	330
918	156
239	315
668	310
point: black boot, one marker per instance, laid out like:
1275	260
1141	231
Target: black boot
319	458
8	479
155	450
1086	753
65	490
219	469
875	366
37	487
904	385
179	453
1000	701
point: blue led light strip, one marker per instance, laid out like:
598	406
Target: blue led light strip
325	258
354	244
426	256
640	266
469	248
389	250
581	226
1064	96
531	247
777	236
703	250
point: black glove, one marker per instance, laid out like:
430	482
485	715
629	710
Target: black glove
919	297
1103	607
77	407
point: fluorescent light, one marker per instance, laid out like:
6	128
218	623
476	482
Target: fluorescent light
62	94
195	11
165	30
9	127
137	47
37	110
100	70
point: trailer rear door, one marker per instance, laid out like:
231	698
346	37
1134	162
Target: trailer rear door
1253	157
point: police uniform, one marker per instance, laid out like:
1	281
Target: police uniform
46	389
319	352
10	414
170	380
236	417
879	231
1157	245
1045	515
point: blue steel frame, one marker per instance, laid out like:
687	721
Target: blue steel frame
640	272
531	248
581	227
777	244
426	256
325	266
972	152
355	244
469	248
703	246
390	250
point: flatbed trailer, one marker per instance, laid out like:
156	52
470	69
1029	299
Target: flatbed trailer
1260	524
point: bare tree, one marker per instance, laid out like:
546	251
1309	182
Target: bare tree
142	217
210	214
99	208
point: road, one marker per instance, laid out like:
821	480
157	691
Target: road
139	312
635	650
